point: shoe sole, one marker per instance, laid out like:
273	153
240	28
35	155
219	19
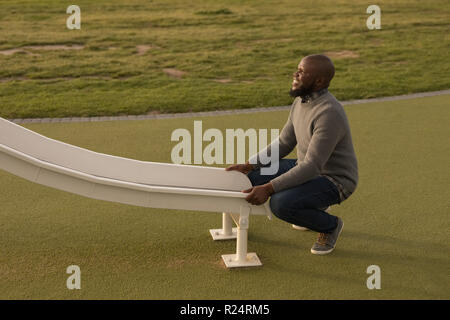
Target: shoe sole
299	228
328	251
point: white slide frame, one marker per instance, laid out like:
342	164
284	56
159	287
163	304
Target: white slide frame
66	167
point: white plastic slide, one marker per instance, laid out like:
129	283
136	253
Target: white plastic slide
59	165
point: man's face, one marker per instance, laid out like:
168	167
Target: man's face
303	80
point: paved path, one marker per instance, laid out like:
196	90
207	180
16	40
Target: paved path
218	113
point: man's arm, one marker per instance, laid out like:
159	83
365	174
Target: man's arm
328	131
286	143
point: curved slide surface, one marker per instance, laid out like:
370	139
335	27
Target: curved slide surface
66	167
100	176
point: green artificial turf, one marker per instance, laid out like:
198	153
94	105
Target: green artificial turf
397	219
235	54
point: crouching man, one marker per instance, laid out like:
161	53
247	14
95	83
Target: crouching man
325	171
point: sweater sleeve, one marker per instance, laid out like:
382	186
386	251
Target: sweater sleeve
286	143
328	130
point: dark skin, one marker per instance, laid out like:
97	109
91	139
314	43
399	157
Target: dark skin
257	194
313	74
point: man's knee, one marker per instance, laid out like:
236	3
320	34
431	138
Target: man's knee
256	178
281	203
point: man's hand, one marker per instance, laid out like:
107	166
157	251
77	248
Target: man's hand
244	168
259	194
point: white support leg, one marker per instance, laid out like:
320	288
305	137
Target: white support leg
227	232
242	258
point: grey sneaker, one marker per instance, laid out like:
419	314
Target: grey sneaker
296	227
327	241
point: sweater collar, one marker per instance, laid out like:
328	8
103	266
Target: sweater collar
313	96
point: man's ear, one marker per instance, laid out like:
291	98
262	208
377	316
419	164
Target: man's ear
320	81
317	83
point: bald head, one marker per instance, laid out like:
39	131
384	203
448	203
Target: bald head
320	67
313	74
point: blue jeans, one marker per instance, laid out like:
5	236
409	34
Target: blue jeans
300	205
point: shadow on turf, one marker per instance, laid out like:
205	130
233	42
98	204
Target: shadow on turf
398	242
391	251
278	243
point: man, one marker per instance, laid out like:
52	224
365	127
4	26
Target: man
326	171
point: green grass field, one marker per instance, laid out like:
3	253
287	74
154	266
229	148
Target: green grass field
234	54
397	219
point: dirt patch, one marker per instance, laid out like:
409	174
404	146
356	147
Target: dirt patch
174	73
222	80
54	47
10	52
342	54
274	40
13	79
143	48
60	78
50	47
179	263
377	42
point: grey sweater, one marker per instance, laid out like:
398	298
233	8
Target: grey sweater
321	131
